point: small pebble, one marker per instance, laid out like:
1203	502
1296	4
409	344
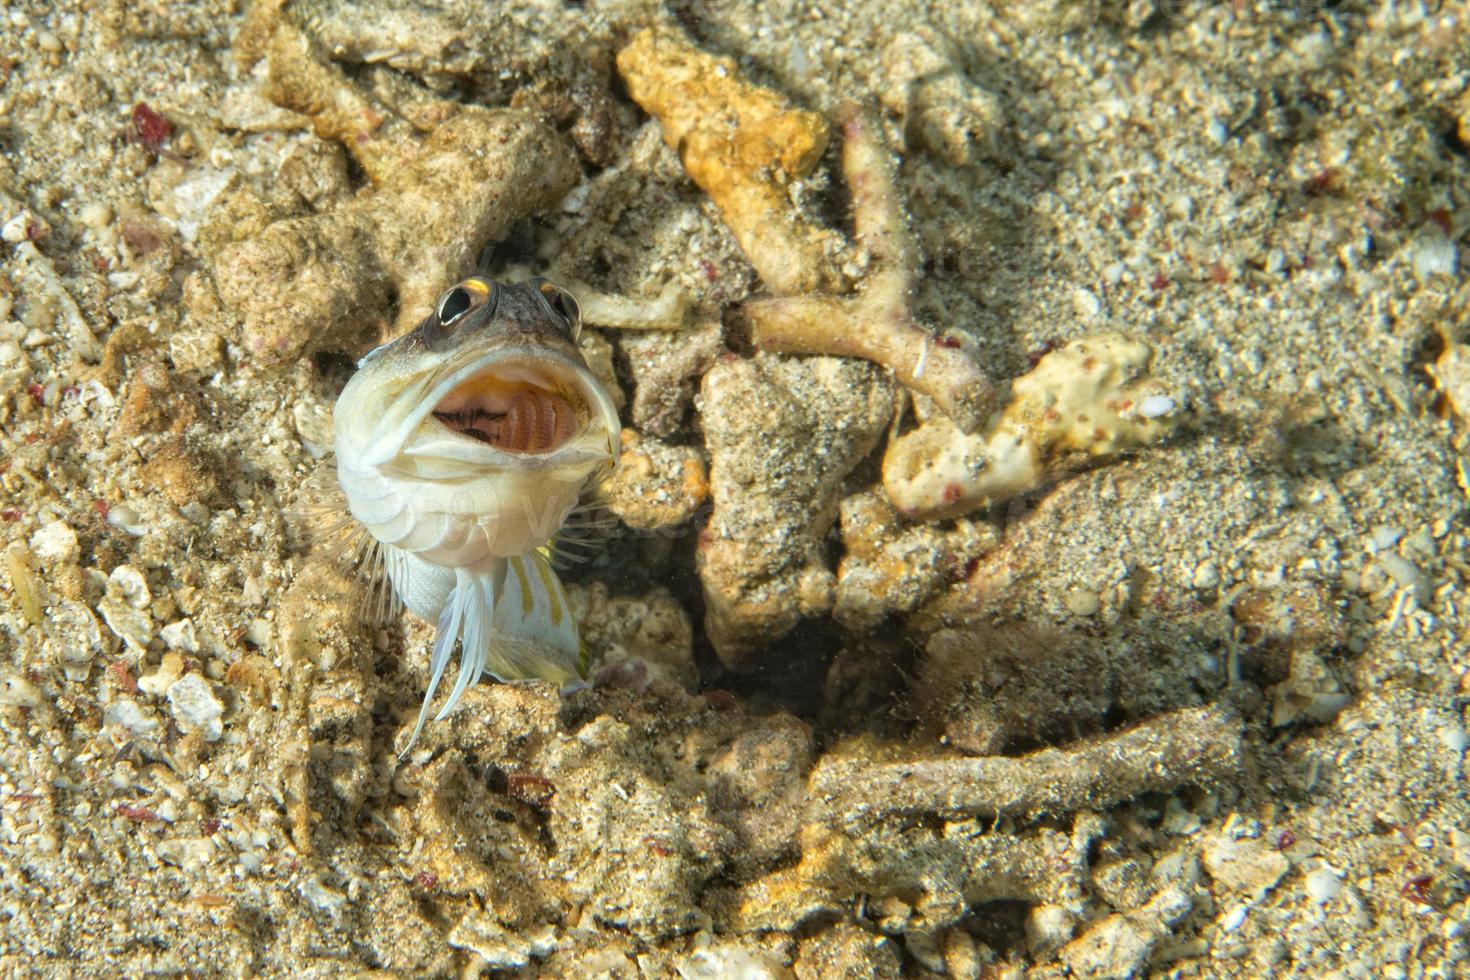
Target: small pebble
24	227
1082	602
195	706
322	898
55	542
1206	575
132	625
1408	576
1049	926
126	713
180	636
130	585
1086	304
1233	919
1453	737
1433	253
96	215
1179	820
1323	885
1156	406
1384	538
157	682
126	517
19	692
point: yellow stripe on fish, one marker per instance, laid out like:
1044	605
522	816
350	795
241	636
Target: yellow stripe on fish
527	601
553	587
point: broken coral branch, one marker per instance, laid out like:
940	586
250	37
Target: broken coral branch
877	324
669	310
1189	746
741	144
974	865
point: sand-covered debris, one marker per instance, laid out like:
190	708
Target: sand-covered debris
775	488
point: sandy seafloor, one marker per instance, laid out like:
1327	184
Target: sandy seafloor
197	763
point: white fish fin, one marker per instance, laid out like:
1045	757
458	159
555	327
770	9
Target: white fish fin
321	503
380	601
587	528
451	621
384	604
479	614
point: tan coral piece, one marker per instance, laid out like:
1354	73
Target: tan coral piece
301	78
1091	399
740	143
1451	374
666	368
328	654
893	566
655	484
651	631
633	851
308	281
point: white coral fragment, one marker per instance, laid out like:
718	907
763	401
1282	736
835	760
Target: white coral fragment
1092	398
195	706
48	306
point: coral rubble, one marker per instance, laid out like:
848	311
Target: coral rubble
1092	398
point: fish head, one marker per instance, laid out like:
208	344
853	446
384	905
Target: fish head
475	433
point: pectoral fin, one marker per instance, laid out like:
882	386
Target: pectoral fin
514	623
467	618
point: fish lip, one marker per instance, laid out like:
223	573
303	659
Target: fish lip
389	445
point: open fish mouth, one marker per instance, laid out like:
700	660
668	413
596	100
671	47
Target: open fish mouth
523	406
517	406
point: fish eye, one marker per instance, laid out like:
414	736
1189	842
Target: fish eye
565	305
453	305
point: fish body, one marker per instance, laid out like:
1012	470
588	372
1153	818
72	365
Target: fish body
461	448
